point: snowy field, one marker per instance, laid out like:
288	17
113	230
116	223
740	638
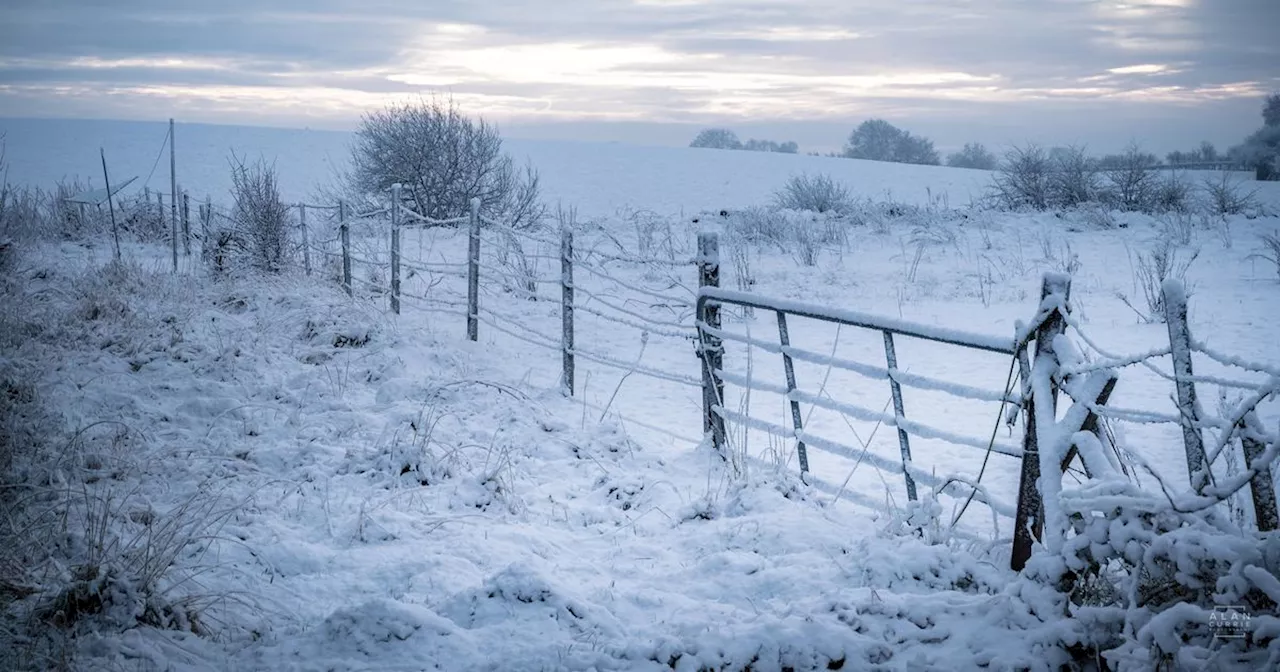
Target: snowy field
370	491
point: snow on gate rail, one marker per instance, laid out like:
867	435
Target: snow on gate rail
713	335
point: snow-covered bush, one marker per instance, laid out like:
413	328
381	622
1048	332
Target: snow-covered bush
1153	267
1270	250
1225	196
816	193
1144	586
261	217
1023	180
1131	182
1073	177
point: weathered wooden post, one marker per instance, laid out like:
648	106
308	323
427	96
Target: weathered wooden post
115	231
710	346
473	272
566	306
186	224
173	196
205	225
797	424
1175	314
306	242
395	248
1261	486
904	442
344	231
1029	519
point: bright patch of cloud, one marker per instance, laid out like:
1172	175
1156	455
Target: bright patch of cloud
1147	69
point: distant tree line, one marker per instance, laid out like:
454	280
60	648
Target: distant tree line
879	140
723	138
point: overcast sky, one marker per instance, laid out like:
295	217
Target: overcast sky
1166	72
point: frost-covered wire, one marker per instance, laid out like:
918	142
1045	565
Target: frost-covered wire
660	323
1232	360
671	300
519	275
445	269
543	340
658	331
453	221
1143	359
644	261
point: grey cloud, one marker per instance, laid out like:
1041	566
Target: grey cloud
1030	44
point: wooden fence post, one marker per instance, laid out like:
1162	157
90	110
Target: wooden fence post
344	230
173	227
395	248
1029	519
473	272
186	224
784	339
566	306
306	242
205	224
710	346
1261	486
1175	314
904	442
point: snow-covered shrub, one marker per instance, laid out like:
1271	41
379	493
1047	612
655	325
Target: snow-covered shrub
22	216
1131	182
1173	193
1073	178
261	218
1225	196
1177	227
1158	264
1146	587
1270	250
817	193
1023	180
141	217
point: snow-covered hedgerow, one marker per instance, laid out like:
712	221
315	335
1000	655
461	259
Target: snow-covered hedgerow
1147	587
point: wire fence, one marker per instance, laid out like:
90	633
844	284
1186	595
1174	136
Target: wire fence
604	292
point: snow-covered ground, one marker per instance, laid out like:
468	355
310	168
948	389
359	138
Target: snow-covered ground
369	491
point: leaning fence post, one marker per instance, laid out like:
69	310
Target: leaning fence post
904	442
1261	486
784	339
473	273
306	243
1029	519
566	306
395	248
186	224
710	346
1175	314
344	231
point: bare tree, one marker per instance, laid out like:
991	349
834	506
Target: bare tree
443	160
